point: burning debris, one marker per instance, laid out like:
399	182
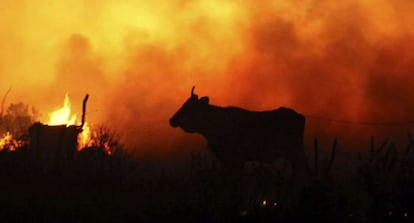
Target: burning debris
60	138
64	117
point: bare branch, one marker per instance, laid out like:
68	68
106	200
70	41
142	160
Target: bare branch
3	101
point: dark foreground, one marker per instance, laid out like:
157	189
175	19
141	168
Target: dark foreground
94	187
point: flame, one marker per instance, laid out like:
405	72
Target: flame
107	148
5	140
84	138
64	116
8	142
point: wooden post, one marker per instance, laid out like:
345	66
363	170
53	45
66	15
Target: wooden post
371	149
333	152
84	110
316	159
410	143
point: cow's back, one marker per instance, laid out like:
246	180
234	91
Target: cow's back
280	121
258	136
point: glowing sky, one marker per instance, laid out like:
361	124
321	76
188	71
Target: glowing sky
351	60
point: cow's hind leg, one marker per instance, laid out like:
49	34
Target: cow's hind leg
300	177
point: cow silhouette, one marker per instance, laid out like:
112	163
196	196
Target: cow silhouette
236	135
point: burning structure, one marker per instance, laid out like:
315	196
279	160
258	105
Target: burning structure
51	143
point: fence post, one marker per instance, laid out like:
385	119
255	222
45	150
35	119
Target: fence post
331	160
316	167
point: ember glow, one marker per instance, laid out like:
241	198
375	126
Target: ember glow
350	60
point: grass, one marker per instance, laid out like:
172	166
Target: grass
96	187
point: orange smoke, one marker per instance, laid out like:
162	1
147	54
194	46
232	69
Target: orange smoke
350	60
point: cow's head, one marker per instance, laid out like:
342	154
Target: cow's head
190	115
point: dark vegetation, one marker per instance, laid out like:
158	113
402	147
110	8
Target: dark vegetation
375	186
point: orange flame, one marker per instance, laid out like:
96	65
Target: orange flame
7	141
84	138
63	116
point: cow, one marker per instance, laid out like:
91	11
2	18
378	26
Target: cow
236	136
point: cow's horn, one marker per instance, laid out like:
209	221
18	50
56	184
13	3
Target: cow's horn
192	91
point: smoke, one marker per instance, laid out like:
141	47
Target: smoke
349	60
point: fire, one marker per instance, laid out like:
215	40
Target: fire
60	116
84	138
64	116
5	140
8	142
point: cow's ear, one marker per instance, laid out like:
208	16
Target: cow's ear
204	100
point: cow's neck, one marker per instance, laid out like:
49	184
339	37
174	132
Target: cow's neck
212	122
